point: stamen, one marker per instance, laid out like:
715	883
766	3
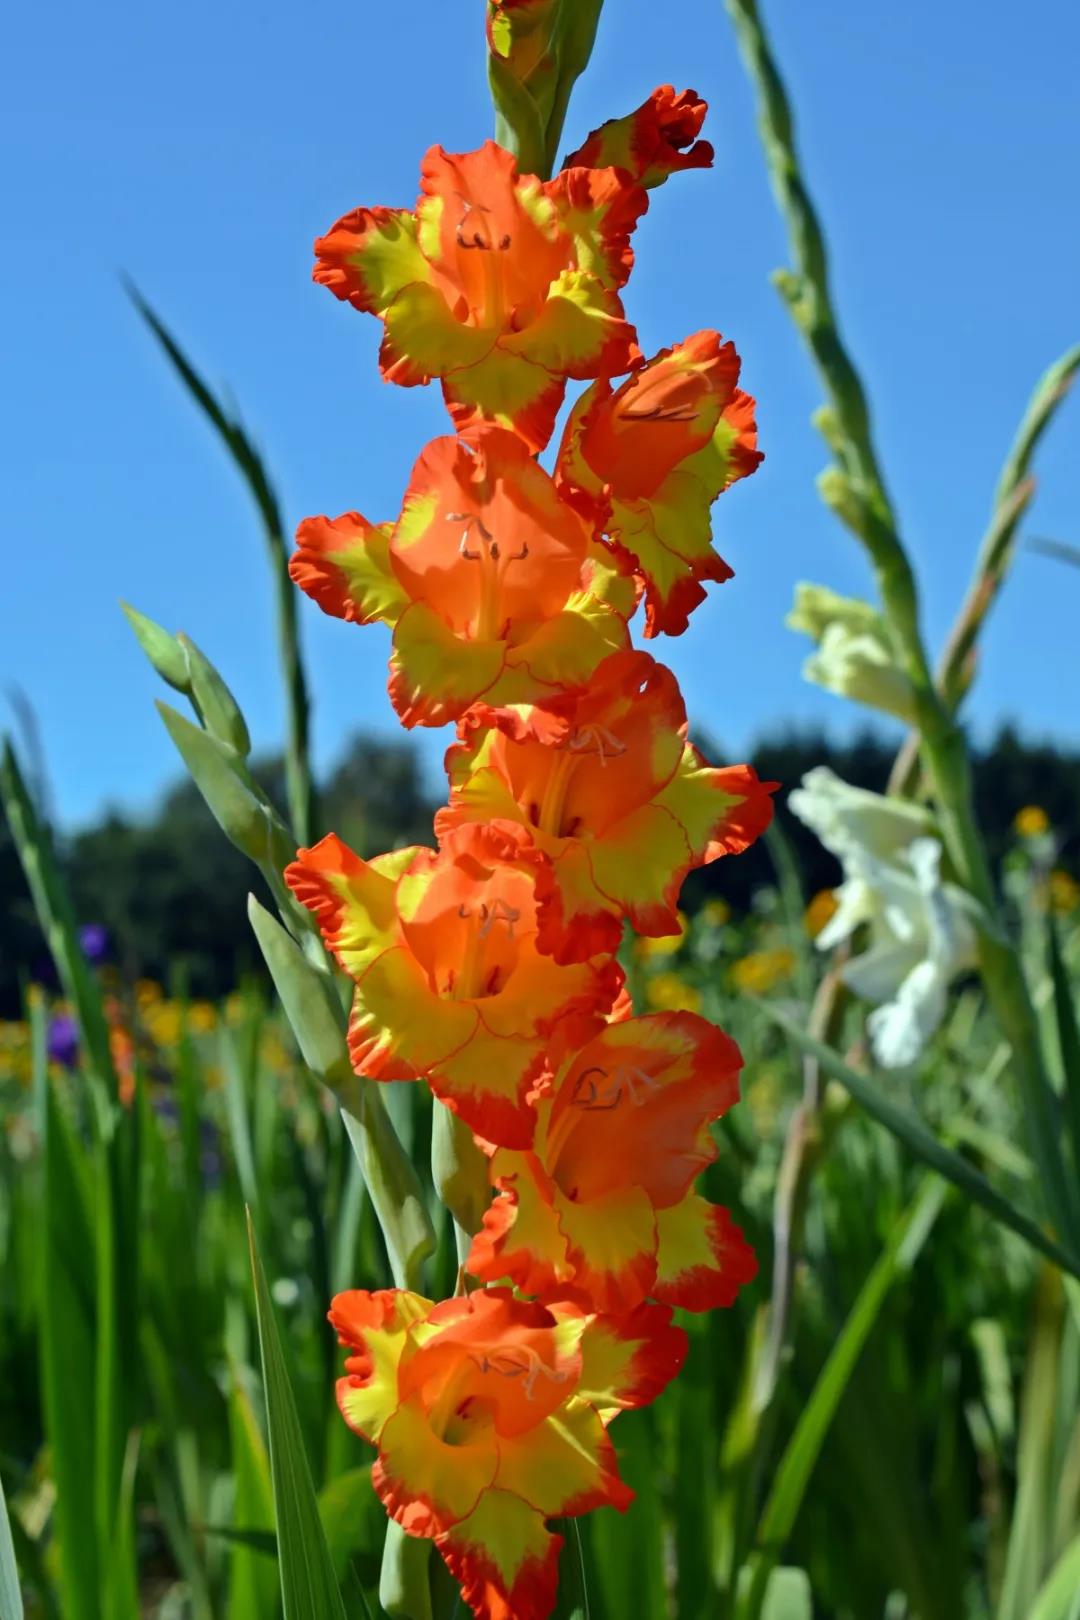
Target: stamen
480	236
598	1096
499	911
506	1364
661	413
595	739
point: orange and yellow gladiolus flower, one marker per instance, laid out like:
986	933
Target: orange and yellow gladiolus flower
612	793
658	139
498	283
651	456
493	584
489	1415
602	1208
450	985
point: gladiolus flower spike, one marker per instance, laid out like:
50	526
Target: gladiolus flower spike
485	967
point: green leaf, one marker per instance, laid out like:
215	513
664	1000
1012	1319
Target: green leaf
404	1585
318	1022
253	1580
253	471
162	648
119	1553
309	997
56	917
922	1144
796	1466
11	1603
1031	1532
238	806
1068	1039
788	1596
67	1328
572	1600
352	1515
309	1587
392	1184
215	704
1059	1595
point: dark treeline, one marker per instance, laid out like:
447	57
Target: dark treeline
172	891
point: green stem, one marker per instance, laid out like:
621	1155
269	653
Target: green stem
299	786
857	488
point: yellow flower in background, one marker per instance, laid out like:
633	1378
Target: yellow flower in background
1064	891
1031	822
761	970
147	992
717	913
822	909
202	1017
645	947
666	992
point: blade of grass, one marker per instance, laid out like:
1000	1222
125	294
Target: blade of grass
921	1142
1030	1534
801	1454
119	1556
309	1587
54	913
67	1334
252	469
253	1581
572	1601
1059	1595
11	1603
1068	1038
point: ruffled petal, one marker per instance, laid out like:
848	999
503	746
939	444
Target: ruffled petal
504	1559
508	388
631	1110
434	674
424	338
702	1257
581	330
352	899
423	1483
369	256
599	209
654	141
343	564
565	1465
520	1238
488	1082
400	1027
628	1360
375	1327
611	1244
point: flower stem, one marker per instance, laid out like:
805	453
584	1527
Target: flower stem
856	488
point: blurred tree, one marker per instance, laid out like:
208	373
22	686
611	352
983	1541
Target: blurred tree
171	890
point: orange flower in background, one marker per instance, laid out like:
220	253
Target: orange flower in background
500	284
601	1209
656	140
651	456
612	793
489	1417
450	986
493	583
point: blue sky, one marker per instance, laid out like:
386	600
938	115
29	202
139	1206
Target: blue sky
201	148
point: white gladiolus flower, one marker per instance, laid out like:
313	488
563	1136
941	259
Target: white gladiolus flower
919	928
854	657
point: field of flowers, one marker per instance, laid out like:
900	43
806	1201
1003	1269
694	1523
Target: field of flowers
679	1262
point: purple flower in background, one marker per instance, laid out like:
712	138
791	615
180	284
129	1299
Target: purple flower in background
62	1042
94	939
